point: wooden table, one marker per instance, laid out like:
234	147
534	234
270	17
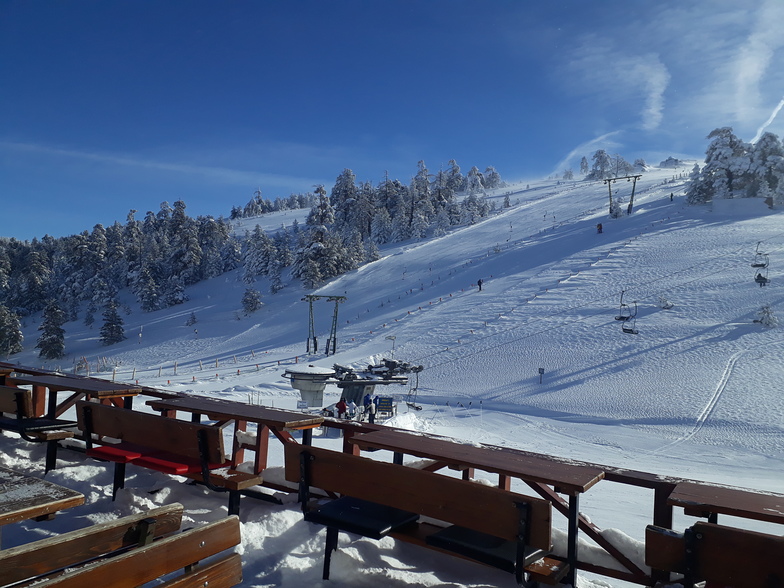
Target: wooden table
702	500
79	387
6	369
279	422
26	497
567	478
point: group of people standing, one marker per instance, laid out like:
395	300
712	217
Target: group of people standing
349	410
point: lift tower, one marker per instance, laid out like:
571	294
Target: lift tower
614	211
332	339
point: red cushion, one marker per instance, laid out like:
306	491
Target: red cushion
171	463
119	452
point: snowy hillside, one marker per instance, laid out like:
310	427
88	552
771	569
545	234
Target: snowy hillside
696	393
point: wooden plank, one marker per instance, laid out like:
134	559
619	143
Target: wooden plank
569	478
701	499
229	479
91	386
469	504
41	557
217	409
149	430
138	566
222	573
547	570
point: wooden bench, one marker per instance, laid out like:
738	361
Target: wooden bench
19	403
130	551
167	445
483	523
717	554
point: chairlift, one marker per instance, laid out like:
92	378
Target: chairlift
629	326
762	276
411	399
761	259
625	312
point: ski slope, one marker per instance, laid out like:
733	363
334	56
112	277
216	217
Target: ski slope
696	393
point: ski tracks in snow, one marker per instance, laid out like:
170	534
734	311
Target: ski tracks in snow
710	406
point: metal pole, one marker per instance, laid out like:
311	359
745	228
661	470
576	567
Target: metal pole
631	200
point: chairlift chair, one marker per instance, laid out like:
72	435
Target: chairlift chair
762	276
625	312
761	259
630	326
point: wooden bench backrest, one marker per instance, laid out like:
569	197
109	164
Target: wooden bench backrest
729	556
468	504
9	402
176	552
42	557
153	431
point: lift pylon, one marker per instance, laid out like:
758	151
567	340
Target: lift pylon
332	339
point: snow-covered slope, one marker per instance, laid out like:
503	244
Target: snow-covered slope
696	393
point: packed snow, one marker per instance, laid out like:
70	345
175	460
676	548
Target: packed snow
696	393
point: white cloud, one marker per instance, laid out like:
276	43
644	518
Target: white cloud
754	59
653	79
634	82
683	65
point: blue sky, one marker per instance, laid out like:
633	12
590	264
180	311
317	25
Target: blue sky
114	105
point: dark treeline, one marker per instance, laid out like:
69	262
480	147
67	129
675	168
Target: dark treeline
157	258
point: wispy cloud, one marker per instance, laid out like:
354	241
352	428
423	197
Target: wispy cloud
218	174
683	65
767	123
754	59
601	142
652	77
636	81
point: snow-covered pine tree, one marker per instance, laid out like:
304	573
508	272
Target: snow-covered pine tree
442	223
696	191
584	166
492	179
381	227
371	252
258	247
766	167
343	199
766	317
251	301
454	179
113	330
51	343
29	291
274	270
474	181
148	291
11	337
443	194
469	209
602	166
726	164
310	273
